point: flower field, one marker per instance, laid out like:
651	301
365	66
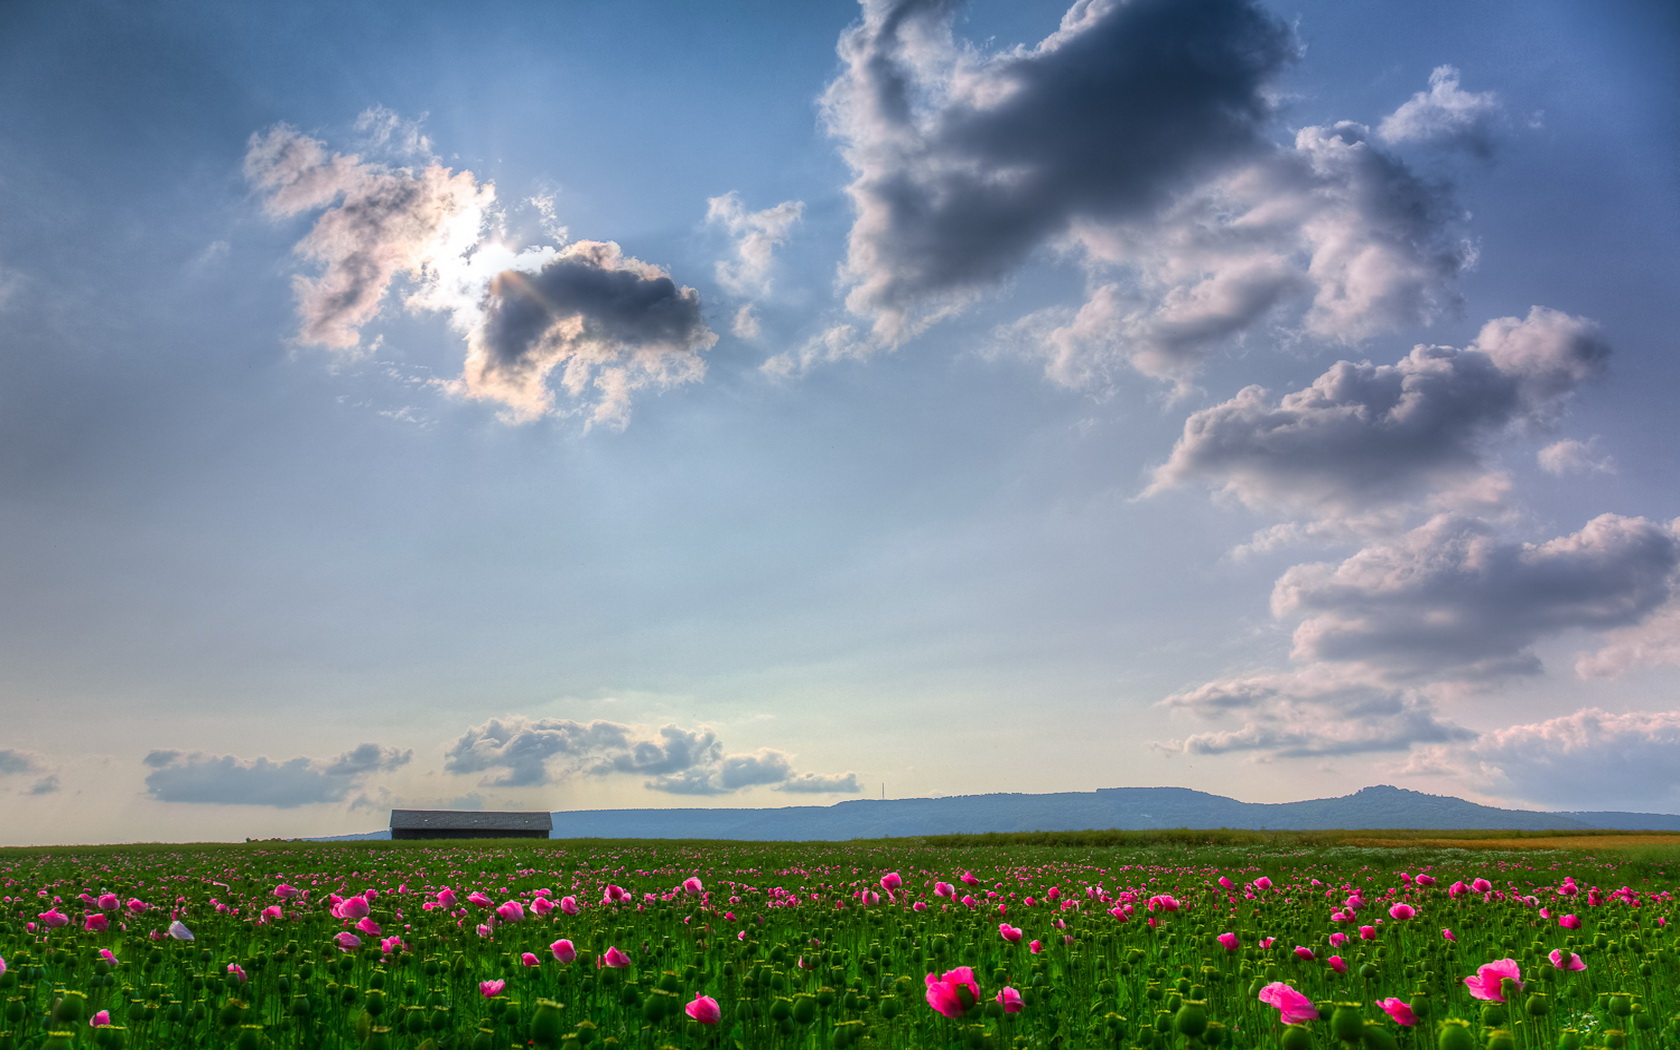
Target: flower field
499	945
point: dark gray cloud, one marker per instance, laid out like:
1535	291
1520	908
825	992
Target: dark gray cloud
966	162
178	776
1316	711
377	223
1366	436
682	761
15	762
1446	114
1591	759
605	323
1454	600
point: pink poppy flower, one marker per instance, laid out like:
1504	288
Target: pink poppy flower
1338	939
348	941
491	989
692	884
891	881
1294	1007
1480	886
1228	941
1399	1011
352	908
1573	962
285	892
135	905
569	905
953	993
1010	999
1226	883
1012	934
944	889
1425	880
530	959
1449	935
1267	942
1035	947
1367	933
1337	963
446	897
613	959
104	953
54	918
1402	911
511	911
238	971
272	913
478	898
1304	953
96	923
108	902
1570	922
704	1009
1263	883
614	894
1487	982
563	950
542	906
369	927
100	1019
967	879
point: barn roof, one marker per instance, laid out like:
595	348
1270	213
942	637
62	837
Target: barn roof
470	820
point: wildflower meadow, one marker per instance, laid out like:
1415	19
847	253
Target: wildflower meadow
376	946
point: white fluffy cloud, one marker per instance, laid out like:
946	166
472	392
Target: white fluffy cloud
1652	643
1453	599
376	223
1363	437
756	235
1575	457
522	752
228	780
1589	760
1317	711
606	325
1445	113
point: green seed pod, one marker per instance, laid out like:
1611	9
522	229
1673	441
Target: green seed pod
1569	1039
250	1037
1378	1037
1537	1006
379	1038
1454	1034
1621	1004
890	1006
1191	1019
1215	1034
1615	1039
804	1008
1500	1039
547	1025
586	1032
1346	1023
1295	1037
1494	1015
70	1009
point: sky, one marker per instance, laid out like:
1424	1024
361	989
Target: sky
588	405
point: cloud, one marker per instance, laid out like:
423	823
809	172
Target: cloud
1591	759
1316	711
1445	114
376	223
841	342
606	323
1363	436
756	234
965	162
178	776
1575	457
678	760
820	783
1452	600
15	762
1653	643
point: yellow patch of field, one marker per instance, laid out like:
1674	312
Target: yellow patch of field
1569	842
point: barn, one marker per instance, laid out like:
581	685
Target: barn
468	824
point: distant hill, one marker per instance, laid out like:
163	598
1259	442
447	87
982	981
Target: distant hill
1119	808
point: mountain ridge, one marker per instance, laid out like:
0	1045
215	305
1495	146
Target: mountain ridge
1379	806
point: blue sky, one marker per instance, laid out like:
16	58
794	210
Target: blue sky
603	405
